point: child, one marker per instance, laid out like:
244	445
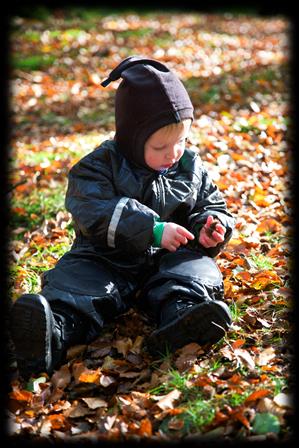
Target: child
148	223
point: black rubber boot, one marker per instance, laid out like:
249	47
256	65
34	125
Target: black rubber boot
41	336
183	321
32	324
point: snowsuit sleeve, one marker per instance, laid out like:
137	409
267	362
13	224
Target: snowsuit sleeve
105	218
210	202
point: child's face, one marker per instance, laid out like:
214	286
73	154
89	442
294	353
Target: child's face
164	148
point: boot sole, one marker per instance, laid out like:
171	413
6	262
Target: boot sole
31	331
205	323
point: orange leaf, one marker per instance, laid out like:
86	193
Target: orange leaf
220	417
257	394
269	225
260	199
235	379
244	276
146	427
241	417
21	395
238	343
90	376
58	421
264	279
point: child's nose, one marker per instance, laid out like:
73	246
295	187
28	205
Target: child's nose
172	153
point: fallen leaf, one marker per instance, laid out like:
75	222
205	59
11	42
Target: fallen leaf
58	422
256	395
146	429
123	345
90	376
167	401
264	279
75	351
77	410
106	380
95	403
269	225
241	417
284	400
245	356
62	377
265	356
21	395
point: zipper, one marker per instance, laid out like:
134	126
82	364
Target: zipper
161	194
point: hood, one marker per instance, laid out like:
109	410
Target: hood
149	97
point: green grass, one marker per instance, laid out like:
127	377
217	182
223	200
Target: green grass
34	62
261	261
42	204
136	33
50	118
32	36
237	311
199	412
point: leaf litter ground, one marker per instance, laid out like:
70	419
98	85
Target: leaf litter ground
236	69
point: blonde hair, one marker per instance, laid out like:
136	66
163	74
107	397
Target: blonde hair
175	127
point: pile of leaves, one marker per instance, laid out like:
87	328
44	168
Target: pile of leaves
236	69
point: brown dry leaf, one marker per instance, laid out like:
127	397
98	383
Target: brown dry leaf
62	377
268	405
185	361
284	400
78	367
75	351
244	355
110	420
77	410
123	345
137	345
106	380
264	322
265	356
114	365
167	401
95	403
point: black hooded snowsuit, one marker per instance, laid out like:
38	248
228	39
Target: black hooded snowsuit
114	199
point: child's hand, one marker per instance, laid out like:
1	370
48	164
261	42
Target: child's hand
175	235
212	233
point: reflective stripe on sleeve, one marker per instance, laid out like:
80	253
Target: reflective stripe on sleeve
114	221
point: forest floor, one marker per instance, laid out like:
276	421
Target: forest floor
236	69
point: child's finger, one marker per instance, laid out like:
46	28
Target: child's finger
184	232
209	220
220	229
217	236
180	238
